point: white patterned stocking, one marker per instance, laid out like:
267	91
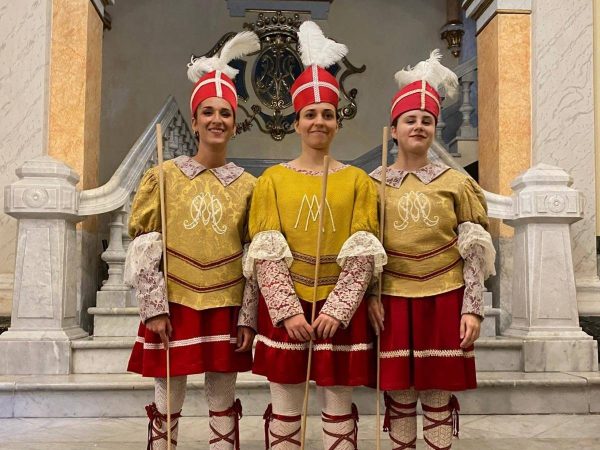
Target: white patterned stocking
220	396
178	387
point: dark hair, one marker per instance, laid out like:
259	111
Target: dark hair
394	123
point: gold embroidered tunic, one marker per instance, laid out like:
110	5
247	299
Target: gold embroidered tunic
422	212
287	201
206	214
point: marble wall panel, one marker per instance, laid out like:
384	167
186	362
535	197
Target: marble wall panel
563	108
504	105
24	52
515	97
488	94
75	87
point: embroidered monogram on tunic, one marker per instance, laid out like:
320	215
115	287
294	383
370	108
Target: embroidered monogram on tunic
207	209
312	213
414	206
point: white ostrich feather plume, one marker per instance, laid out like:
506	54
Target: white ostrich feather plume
238	46
315	48
432	71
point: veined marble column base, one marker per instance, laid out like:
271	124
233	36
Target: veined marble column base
556	351
40	352
115	299
560	356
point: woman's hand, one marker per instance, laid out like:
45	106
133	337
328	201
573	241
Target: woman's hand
376	313
325	326
470	326
161	325
245	337
298	328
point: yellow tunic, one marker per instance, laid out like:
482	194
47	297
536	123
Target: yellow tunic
420	234
206	223
288	201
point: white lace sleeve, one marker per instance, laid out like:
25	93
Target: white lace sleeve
363	243
267	246
142	272
470	234
350	289
473	275
277	287
248	316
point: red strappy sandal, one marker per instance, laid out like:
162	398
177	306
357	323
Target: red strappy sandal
234	411
451	420
392	412
351	436
155	424
269	416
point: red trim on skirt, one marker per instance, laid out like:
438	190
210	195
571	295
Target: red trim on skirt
202	341
420	344
344	360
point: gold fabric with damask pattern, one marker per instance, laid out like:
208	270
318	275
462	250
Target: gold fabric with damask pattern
420	237
288	201
206	224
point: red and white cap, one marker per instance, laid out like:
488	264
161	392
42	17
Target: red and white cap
213	77
419	87
315	84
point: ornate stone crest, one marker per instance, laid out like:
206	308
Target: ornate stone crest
275	67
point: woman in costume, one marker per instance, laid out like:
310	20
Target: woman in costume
283	227
439	256
198	313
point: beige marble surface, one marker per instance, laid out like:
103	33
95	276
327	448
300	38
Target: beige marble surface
75	80
23	101
557	432
504	105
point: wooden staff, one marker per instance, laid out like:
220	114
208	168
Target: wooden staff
384	156
163	225
314	302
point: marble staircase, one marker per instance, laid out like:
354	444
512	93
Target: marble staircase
124	395
100	387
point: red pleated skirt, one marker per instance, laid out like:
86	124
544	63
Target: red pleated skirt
202	341
344	360
420	344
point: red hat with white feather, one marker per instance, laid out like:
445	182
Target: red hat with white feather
420	85
315	84
213	77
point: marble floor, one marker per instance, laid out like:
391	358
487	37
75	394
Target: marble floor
530	432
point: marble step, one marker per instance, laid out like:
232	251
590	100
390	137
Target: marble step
104	355
101	354
124	395
499	354
115	322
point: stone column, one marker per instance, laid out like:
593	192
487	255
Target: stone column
44	314
504	108
563	119
544	310
74	119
